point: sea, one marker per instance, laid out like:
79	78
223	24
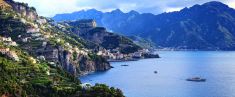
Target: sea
166	76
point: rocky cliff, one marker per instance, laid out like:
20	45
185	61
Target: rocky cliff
4	5
75	63
23	9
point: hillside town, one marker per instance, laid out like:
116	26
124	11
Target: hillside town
116	55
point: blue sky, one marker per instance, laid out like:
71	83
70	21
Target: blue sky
51	7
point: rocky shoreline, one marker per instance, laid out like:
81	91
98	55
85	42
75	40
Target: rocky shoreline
150	56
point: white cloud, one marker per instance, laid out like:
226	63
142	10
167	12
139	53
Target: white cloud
52	7
173	9
231	3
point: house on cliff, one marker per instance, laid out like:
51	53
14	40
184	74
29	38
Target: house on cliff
9	53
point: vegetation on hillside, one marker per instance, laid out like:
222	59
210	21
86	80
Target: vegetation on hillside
33	77
25	78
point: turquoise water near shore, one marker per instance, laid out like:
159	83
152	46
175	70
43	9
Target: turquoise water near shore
139	80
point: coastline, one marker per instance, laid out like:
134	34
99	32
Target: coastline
132	59
122	60
112	60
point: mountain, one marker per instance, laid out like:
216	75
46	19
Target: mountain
88	30
209	26
38	59
89	14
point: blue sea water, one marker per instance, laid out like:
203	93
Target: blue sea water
139	80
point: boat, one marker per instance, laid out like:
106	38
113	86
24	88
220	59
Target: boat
196	79
124	65
155	72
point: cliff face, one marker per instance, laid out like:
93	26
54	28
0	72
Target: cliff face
4	5
86	65
74	63
23	9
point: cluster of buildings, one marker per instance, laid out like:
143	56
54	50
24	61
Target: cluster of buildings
6	51
81	52
41	21
8	41
62	27
9	53
72	49
111	54
117	55
35	33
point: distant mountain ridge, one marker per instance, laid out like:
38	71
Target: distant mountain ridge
210	26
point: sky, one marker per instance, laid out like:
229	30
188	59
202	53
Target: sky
49	8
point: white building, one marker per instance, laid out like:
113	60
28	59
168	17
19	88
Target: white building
42	21
39	38
120	56
36	34
86	86
58	39
41	58
12	55
8	41
23	20
44	44
68	45
137	54
46	36
33	30
11	43
100	53
25	39
33	60
5	39
4	50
